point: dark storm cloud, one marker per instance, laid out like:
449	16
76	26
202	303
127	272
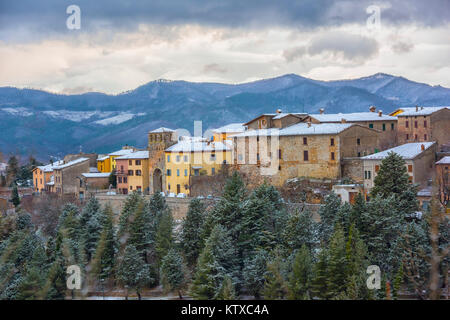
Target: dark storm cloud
20	18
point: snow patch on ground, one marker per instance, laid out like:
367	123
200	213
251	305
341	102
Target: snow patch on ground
120	118
24	112
77	116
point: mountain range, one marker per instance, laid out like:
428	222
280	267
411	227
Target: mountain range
45	124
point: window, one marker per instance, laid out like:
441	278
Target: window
168	158
279	153
409	167
178	158
279	168
130	172
196	172
332	156
119	179
305	155
425	136
125	179
138	172
407	124
410	179
178	172
185	172
424	123
358	141
169	172
407	136
415	124
332	142
369	173
121	168
371	125
359	154
212	157
392	126
139	188
213	171
138	162
384	126
377	168
240	157
41	181
131	187
415	137
185	158
305	140
257	157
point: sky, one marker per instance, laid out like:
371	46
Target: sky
120	45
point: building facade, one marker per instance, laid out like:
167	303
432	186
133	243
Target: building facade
137	176
68	176
43	177
419	158
423	124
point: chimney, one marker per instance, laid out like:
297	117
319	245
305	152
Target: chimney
343	120
372	108
417	108
279	111
380	113
321	110
422	147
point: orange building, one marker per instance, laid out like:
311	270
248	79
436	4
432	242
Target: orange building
43	177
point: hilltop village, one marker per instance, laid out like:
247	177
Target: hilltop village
340	151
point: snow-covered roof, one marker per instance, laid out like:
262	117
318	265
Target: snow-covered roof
282	115
162	129
96	175
421	111
93	169
444	160
121	152
135	155
70	163
298	129
356	116
199	146
49	167
425	192
103	157
232	127
407	151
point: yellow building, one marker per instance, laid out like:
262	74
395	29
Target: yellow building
193	157
223	133
107	163
137	170
104	164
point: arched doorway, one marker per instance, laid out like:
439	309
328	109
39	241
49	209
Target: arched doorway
157	180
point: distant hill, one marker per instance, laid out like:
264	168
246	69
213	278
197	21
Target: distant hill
43	124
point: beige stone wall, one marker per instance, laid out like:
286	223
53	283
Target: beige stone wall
68	181
368	141
352	168
424	166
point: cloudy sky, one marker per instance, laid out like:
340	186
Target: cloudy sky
123	44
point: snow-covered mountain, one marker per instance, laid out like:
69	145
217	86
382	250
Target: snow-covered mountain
43	123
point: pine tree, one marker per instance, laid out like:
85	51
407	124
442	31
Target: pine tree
172	273
275	286
358	208
217	260
15	198
300	230
133	272
398	281
356	265
392	177
299	282
127	213
12	170
105	253
337	264
164	236
328	213
263	220
191	232
319	284
140	230
226	291
254	273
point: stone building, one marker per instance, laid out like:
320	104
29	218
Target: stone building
385	124
68	176
91	156
159	140
419	158
423	124
223	133
299	150
94	181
